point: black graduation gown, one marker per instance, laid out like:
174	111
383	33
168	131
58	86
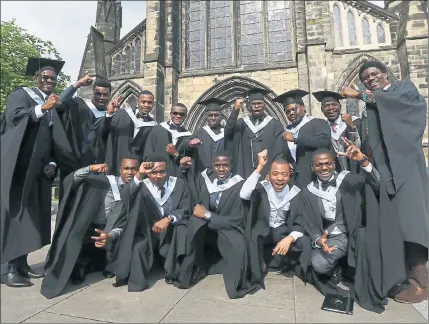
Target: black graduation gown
258	227
158	140
204	154
343	163
228	221
133	256
349	198
400	212
79	207
121	141
79	138
26	144
312	136
244	145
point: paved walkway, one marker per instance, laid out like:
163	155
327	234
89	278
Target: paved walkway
284	301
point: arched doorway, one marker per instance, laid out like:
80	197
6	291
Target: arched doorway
129	91
229	90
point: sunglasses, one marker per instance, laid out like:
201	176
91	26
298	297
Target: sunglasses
176	113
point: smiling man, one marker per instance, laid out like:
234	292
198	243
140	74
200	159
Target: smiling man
215	231
173	138
130	130
394	122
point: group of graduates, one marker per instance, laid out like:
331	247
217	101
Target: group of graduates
326	200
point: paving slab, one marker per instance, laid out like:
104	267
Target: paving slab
46	317
278	293
190	310
308	298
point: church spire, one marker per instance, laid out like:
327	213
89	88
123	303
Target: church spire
109	21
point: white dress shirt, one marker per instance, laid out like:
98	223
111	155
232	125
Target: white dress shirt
277	217
157	196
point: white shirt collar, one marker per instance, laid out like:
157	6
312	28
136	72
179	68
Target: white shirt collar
45	96
215	181
330	179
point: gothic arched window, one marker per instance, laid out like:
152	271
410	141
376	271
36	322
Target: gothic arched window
381	35
116	70
138	55
228	33
366	30
221	23
338	25
351	24
196	28
279	25
128	59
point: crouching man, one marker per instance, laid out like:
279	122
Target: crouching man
91	204
155	229
272	230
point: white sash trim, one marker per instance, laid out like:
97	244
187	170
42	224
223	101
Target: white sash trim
34	96
329	196
138	123
214	188
256	129
97	113
215	137
279	204
174	133
114	186
171	184
295	132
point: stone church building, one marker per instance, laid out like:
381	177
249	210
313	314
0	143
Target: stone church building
190	50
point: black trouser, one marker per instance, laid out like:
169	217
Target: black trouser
416	258
90	257
14	264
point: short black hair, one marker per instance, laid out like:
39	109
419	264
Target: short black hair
223	153
157	157
179	104
322	151
131	157
280	161
103	83
369	64
146	93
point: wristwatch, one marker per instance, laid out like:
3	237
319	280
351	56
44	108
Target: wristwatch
171	218
365	158
208	215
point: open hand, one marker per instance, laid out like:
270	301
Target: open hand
114	105
352	152
322	242
283	246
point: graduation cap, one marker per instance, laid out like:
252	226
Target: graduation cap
291	97
256	94
213	104
36	65
325	96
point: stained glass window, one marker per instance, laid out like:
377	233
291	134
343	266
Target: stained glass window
196	27
137	55
366	30
252	38
352	28
279	24
381	35
128	59
338	25
220	33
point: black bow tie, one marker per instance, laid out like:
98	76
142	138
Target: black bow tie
178	128
219	182
145	118
254	119
327	184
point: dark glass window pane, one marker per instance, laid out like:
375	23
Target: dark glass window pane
338	25
196	28
138	52
366	30
251	38
279	25
352	28
381	35
220	33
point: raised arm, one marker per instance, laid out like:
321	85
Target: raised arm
231	123
251	182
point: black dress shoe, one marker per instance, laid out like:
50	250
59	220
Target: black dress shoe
108	275
195	277
336	276
78	275
168	279
30	273
13	279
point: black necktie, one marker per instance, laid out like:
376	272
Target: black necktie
214	197
162	191
327	184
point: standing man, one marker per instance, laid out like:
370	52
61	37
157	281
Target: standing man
211	135
27	171
173	138
397	220
304	135
342	125
253	134
129	131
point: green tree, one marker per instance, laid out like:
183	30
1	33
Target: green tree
17	45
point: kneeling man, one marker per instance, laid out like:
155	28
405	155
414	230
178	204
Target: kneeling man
155	229
216	241
271	226
91	205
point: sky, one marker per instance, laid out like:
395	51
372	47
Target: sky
68	24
